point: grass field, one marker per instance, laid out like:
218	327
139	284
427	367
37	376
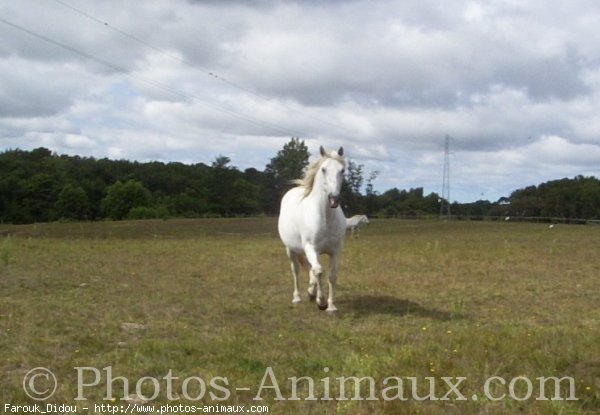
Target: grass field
211	299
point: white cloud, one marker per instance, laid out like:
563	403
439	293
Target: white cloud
517	85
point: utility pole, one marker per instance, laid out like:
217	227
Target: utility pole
445	199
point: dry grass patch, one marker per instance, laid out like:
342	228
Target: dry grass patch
210	298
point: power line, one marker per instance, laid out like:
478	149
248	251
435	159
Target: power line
148	81
211	74
139	40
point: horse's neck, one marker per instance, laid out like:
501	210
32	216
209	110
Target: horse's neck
320	200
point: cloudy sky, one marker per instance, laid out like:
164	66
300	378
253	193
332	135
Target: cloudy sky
516	84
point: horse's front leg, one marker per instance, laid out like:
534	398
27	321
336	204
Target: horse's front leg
335	260
316	274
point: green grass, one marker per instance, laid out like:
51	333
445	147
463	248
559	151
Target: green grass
212	298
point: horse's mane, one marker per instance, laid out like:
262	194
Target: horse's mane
308	180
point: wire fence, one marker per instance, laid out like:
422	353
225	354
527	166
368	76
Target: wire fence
488	218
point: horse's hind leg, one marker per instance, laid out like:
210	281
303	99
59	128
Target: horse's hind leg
295	269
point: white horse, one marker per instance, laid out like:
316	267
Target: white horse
354	223
311	223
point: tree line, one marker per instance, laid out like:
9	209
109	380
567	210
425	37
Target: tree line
41	186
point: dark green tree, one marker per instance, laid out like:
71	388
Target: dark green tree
222	162
122	197
72	203
589	196
289	164
525	202
39	185
372	199
220	187
187	204
245	197
39	196
352	198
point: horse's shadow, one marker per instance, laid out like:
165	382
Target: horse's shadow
369	304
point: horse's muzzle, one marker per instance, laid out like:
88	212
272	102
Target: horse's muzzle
334	201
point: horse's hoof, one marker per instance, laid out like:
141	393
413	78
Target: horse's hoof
331	310
296	301
322	307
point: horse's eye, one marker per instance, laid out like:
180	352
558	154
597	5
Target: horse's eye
323	170
343	171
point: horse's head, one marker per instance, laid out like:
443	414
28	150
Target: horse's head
332	172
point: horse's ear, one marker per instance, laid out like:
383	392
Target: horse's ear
341	151
322	150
